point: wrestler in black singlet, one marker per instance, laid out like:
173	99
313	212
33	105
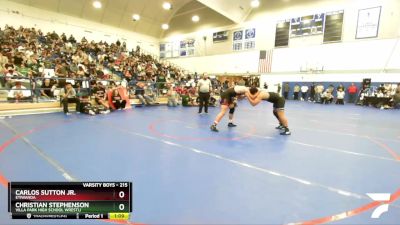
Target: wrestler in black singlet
228	96
278	101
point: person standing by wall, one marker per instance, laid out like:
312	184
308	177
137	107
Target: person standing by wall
204	88
340	96
352	90
286	90
319	89
396	98
312	92
296	91
304	90
279	89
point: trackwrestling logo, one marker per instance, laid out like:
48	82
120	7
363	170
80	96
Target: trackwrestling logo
382	208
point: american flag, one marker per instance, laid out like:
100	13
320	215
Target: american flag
265	61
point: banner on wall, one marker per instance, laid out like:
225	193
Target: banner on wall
244	39
220	36
180	48
187	47
238	35
368	22
250	33
237	40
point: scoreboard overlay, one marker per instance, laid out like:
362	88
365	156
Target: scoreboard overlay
70	200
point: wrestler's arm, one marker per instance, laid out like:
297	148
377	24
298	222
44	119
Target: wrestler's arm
248	95
255	101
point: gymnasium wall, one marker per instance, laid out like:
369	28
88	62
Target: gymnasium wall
334	78
241	62
351	55
49	21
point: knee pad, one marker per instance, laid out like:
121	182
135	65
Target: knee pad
231	111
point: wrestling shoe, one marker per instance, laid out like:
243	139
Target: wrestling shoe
214	128
286	132
280	127
231	125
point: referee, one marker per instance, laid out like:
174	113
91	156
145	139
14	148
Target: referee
204	88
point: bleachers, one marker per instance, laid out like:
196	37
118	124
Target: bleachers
112	59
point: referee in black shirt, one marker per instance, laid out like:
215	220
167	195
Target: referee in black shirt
204	88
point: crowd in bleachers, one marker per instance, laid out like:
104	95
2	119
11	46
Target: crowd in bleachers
384	96
42	66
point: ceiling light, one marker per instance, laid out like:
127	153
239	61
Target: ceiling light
97	4
167	6
135	17
255	3
165	26
195	18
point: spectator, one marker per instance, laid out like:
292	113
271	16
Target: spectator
47	88
190	82
312	92
265	85
18	59
352	90
382	90
68	95
279	89
296	91
117	100
23	70
140	94
204	89
213	101
319	89
161	79
99	93
3	60
10	74
286	90
340	96
149	91
172	96
19	93
304	90
225	85
327	97
192	95
86	107
396	98
331	88
341	87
